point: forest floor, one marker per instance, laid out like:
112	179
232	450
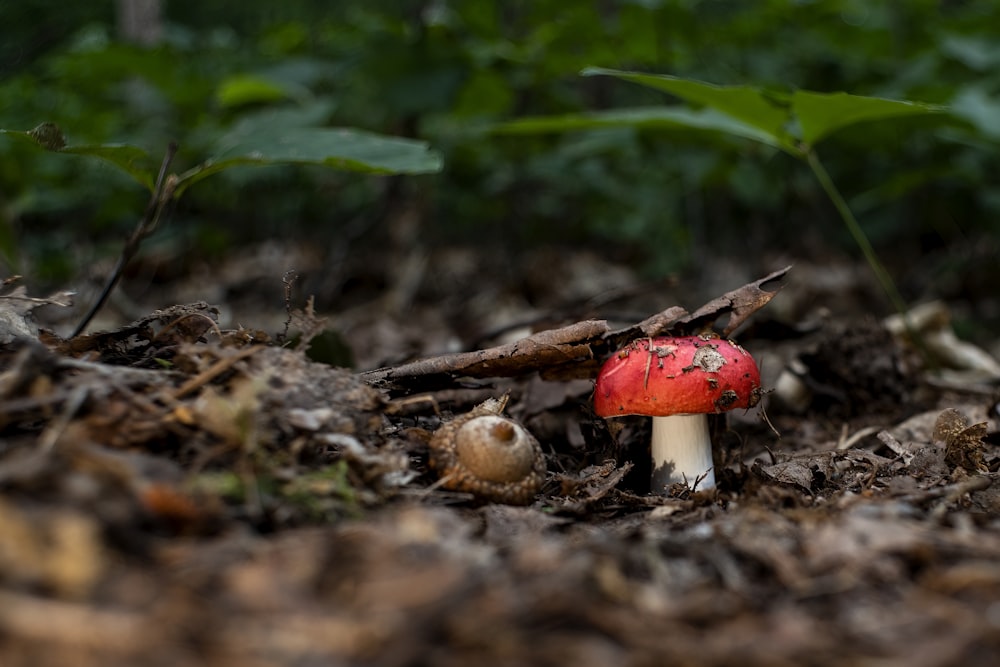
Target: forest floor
191	488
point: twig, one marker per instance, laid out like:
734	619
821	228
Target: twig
163	192
861	239
956	491
846	442
126	374
904	452
288	280
214	371
573	351
47	440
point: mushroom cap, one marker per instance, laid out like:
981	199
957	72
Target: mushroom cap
671	376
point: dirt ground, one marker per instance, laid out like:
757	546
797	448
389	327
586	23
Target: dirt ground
192	488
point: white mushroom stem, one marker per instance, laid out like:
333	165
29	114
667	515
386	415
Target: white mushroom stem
682	452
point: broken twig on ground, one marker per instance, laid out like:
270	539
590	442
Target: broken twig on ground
576	350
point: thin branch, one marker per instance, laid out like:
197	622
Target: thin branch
573	351
162	193
881	274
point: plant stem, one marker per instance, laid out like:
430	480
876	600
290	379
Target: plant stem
163	192
883	277
881	274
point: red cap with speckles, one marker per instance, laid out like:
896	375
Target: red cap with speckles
671	376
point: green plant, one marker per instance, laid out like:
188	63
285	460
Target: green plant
791	122
446	71
259	142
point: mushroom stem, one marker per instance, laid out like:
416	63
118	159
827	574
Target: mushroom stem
682	452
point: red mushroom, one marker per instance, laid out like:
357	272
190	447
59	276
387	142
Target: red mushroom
678	381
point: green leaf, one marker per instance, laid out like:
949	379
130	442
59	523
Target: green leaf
821	114
245	89
344	149
266	122
670	118
766	111
773	114
132	160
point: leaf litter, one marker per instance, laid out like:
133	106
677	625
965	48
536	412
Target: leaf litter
176	493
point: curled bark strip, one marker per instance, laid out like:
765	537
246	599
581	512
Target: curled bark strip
555	347
573	351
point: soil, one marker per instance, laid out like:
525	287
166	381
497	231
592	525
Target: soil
184	490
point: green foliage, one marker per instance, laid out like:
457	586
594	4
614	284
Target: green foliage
338	148
262	141
822	114
345	149
130	159
245	89
653	182
793	123
642	118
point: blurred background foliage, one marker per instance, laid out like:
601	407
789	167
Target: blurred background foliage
446	71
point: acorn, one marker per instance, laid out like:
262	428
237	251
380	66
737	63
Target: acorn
491	456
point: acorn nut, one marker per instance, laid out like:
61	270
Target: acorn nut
488	455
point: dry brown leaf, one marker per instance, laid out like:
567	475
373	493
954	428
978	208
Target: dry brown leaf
739	304
963	442
573	351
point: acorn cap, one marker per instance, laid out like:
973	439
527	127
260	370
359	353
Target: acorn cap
488	455
682	375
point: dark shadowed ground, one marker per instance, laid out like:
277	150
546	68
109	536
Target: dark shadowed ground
192	489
